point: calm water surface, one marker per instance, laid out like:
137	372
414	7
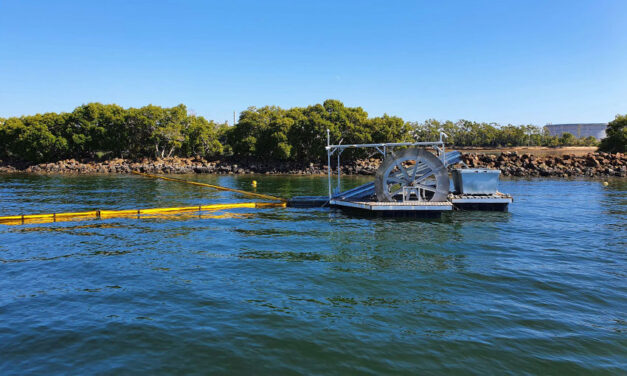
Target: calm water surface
539	290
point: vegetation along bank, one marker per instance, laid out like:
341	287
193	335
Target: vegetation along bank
108	138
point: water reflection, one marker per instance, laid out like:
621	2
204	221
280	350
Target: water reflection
300	286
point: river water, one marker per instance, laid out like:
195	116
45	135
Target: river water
539	290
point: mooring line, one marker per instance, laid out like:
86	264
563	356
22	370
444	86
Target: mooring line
53	217
217	187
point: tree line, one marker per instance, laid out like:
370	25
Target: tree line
470	133
98	130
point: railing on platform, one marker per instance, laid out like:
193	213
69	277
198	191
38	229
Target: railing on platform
382	148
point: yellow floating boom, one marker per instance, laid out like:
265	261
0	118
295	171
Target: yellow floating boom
21	219
218	187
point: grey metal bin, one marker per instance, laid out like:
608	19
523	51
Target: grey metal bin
476	181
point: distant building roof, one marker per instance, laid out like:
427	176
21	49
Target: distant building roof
581	130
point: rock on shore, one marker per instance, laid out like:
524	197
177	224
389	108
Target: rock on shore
174	165
513	164
510	164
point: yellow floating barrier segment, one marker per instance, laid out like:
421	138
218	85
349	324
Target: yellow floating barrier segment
54	217
39	218
218	187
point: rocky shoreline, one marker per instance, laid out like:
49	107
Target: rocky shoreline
513	164
510	164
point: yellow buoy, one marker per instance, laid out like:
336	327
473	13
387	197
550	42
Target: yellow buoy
254	183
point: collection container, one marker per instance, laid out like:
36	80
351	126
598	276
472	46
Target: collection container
476	181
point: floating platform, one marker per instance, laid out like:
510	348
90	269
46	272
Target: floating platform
493	202
308	201
395	209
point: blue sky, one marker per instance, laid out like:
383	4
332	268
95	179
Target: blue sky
516	62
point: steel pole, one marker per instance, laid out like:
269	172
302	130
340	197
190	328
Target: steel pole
329	160
339	172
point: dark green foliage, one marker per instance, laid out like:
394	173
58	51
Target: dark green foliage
268	133
261	133
201	137
97	129
299	134
28	139
616	140
567	139
588	141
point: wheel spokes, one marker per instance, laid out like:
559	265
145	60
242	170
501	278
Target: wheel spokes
430	188
409	171
403	170
413	174
424	177
394	180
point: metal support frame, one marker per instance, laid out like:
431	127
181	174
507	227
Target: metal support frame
382	148
329	159
339	172
408	191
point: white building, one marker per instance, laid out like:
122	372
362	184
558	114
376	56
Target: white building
596	130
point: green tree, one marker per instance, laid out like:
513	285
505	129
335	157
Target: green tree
242	137
96	128
427	131
167	131
589	141
33	142
616	139
567	139
86	129
201	138
389	129
308	133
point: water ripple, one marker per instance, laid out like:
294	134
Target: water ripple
539	290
